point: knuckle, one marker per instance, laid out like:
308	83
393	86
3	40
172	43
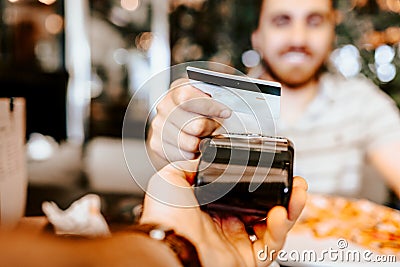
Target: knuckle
189	144
189	156
161	106
154	145
195	144
156	124
198	126
178	82
183	96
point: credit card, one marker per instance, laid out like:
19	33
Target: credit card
255	103
239	93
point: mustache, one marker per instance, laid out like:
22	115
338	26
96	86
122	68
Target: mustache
297	49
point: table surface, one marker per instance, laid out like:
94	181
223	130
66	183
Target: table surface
34	224
35	228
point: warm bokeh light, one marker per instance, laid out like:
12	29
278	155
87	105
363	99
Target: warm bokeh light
185	50
143	41
389	5
187	21
393	5
47	2
372	40
359	3
392	35
130	5
54	23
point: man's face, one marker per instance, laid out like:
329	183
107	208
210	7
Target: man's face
295	37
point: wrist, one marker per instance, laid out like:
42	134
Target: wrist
150	252
183	249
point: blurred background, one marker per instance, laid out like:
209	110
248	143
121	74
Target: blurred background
79	62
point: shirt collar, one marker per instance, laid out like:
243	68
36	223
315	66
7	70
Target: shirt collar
328	84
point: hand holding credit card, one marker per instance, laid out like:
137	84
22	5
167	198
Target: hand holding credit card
245	171
255	103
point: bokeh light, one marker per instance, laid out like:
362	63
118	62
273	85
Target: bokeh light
47	2
347	60
384	54
121	56
130	5
143	41
393	5
251	58
386	72
54	23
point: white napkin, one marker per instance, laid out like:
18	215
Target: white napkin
82	218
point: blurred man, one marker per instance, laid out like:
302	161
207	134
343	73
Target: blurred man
337	125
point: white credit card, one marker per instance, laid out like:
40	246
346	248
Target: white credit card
255	103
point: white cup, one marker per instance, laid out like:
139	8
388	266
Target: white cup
13	170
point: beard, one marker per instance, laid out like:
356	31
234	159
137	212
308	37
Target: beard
296	77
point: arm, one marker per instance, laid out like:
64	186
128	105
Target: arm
24	248
386	160
183	116
382	132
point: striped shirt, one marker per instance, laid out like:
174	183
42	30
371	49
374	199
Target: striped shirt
347	118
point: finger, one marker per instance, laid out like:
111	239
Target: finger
214	221
167	192
274	235
191	123
171	185
201	126
234	230
296	205
190	173
297	199
206	106
300	182
182	92
172	143
277	226
185	169
189	169
180	139
220	250
166	151
172	153
192	100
